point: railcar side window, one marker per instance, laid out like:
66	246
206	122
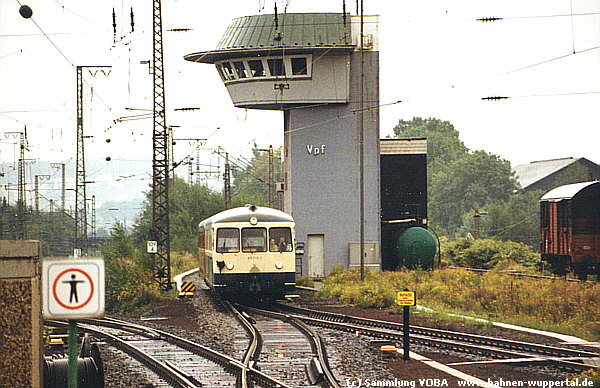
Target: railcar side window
228	240
280	240
254	240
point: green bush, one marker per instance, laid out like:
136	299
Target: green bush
488	254
129	285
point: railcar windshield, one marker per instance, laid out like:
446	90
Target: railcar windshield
228	240
254	240
280	240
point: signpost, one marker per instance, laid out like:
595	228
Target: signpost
73	289
406	299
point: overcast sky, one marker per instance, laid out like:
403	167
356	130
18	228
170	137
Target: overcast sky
434	57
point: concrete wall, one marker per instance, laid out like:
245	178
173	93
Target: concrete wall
321	169
21	314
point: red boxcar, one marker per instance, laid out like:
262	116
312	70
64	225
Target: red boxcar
570	229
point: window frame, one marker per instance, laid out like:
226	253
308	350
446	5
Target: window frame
290	243
229	250
251	249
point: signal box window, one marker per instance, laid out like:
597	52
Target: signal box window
256	68
228	240
227	71
276	67
254	240
299	66
280	240
240	69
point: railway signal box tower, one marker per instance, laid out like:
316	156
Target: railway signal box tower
316	69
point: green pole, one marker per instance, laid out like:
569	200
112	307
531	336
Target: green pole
72	372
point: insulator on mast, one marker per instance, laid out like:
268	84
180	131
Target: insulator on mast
132	23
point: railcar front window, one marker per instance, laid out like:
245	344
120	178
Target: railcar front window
254	240
228	240
280	240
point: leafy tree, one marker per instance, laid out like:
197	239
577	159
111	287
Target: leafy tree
476	179
120	245
188	205
514	220
250	184
443	144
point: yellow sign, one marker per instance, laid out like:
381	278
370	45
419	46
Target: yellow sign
406	298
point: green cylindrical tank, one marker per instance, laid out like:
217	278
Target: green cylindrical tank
416	248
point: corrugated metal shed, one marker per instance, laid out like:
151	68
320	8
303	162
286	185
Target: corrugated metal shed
415	146
294	29
528	174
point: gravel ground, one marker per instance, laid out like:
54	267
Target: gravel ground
202	320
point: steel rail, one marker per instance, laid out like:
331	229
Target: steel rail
537	349
229	364
167	371
254	348
319	371
449	339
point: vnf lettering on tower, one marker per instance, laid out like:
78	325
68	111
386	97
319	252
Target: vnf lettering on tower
315	150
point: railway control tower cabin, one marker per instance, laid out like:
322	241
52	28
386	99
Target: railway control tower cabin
310	66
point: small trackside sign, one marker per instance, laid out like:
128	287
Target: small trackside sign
73	288
406	298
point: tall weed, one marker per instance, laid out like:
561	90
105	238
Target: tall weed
546	304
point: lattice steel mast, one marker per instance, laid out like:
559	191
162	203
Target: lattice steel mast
160	162
81	236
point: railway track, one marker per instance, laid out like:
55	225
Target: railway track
176	361
498	349
285	347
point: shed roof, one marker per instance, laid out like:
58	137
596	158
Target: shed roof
407	146
566	191
293	31
528	174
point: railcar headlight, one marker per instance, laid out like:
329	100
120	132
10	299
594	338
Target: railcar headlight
279	264
229	265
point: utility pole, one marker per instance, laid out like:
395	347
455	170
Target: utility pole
21	224
63	180
159	232
81	236
361	143
94	240
38	178
270	172
227	182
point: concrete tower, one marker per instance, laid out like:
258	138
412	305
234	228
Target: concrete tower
310	66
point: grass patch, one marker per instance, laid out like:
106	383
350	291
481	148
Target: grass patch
554	305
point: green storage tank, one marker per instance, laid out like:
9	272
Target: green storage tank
416	248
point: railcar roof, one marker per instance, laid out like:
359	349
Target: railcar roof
243	214
566	191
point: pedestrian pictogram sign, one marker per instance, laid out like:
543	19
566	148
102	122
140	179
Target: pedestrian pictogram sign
73	288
